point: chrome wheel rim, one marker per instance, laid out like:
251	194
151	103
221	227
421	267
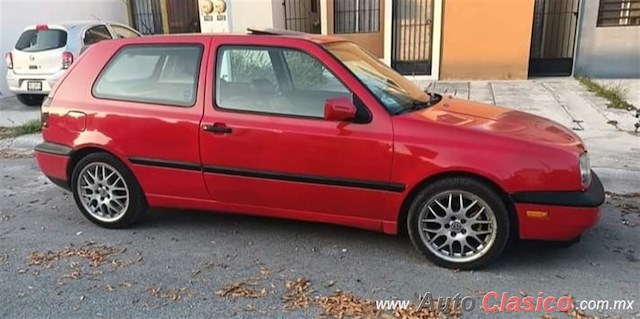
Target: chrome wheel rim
457	226
103	192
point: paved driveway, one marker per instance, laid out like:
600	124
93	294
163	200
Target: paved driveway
12	113
172	264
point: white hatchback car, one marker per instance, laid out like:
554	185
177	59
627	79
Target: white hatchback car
44	52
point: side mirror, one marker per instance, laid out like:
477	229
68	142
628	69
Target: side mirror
339	109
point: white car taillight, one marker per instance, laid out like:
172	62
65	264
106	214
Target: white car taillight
44	113
8	58
67	59
585	170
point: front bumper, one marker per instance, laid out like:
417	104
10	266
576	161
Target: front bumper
53	160
18	82
558	215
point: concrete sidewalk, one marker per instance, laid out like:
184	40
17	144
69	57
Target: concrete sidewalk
13	113
614	149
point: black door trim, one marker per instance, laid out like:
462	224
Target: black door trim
164	163
300	178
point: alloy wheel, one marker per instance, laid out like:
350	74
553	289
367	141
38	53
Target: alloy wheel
103	192
457	226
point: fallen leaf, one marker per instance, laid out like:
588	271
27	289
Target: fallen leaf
96	255
265	271
330	283
241	289
345	305
297	294
171	294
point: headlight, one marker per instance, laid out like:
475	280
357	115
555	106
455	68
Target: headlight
585	170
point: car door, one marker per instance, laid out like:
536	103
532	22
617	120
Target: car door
264	141
154	107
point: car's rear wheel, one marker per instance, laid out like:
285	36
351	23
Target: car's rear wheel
31	99
458	223
106	192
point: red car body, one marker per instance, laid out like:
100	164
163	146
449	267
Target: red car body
356	175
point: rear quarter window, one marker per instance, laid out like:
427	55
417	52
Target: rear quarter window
159	74
41	40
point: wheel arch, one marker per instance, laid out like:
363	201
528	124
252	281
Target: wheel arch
415	190
82	152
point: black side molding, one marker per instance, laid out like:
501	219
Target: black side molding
299	178
356	183
52	148
164	163
593	197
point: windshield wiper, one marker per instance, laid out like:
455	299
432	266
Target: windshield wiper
418	105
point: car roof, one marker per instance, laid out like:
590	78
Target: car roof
317	38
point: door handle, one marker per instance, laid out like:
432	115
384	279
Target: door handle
217	128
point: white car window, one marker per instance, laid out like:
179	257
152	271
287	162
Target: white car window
123	32
41	40
96	34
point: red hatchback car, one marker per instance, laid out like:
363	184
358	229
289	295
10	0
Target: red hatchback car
311	128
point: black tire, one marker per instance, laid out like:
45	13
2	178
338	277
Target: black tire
471	187
137	204
31	99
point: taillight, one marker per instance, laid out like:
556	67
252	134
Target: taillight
42	27
9	59
44	114
44	119
67	59
46	102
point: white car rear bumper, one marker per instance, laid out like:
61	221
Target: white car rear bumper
19	83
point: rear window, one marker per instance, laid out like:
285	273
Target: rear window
163	74
41	40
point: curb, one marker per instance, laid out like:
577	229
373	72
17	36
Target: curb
22	143
619	181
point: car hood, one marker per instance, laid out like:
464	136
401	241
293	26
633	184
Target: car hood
500	121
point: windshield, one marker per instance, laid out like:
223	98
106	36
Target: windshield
395	92
41	40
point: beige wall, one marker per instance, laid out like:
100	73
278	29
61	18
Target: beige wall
606	52
486	39
256	14
373	42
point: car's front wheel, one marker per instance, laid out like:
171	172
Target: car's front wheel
31	99
106	192
458	223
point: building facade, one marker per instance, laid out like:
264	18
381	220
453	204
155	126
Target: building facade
609	40
425	39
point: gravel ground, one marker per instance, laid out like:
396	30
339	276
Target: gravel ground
172	264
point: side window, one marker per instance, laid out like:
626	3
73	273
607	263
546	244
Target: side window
96	34
274	80
308	74
123	32
246	65
162	74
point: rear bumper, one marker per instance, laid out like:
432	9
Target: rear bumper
568	214
53	160
18	82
